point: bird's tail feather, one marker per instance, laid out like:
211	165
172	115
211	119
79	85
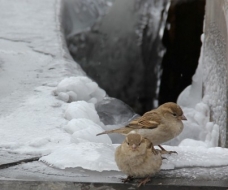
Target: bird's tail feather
105	132
123	131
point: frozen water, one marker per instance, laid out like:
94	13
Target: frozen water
113	111
197	111
198	126
192	143
75	138
100	156
88	155
82	14
62	128
79	88
196	155
84	130
82	109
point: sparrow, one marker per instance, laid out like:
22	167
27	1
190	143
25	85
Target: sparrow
137	158
158	125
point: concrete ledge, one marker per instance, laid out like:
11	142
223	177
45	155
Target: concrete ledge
173	184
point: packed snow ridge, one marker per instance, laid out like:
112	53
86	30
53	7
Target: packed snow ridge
64	125
196	146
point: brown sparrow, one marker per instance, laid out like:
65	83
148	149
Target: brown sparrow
158	125
137	158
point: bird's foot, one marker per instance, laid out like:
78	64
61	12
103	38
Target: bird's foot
128	179
168	152
164	151
144	181
154	151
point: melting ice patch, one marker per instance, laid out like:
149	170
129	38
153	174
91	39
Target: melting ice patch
198	126
79	88
100	157
198	156
88	155
65	132
82	109
85	130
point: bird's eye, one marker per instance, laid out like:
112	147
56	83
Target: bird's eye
128	143
139	144
174	114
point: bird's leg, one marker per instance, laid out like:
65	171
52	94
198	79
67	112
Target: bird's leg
144	181
164	151
128	179
154	150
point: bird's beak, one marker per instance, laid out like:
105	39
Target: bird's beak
183	117
133	147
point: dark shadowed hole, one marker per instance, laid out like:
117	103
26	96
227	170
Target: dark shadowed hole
133	67
182	42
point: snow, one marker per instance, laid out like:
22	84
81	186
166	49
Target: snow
195	156
88	155
196	108
198	126
82	109
50	108
85	130
100	157
79	88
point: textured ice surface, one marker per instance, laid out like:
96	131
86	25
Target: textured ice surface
81	109
88	155
209	84
79	88
85	130
196	105
198	127
114	114
35	122
82	14
191	156
113	111
100	157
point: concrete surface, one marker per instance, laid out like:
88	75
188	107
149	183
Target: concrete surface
37	175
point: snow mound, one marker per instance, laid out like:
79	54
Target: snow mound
85	130
88	155
198	127
79	88
197	156
100	157
82	109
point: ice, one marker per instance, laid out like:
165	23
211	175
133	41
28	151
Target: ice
100	156
113	111
63	127
63	96
196	108
82	109
38	142
189	156
114	114
193	143
88	155
192	94
82	14
79	88
198	127
83	130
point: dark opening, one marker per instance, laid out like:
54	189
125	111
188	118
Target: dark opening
126	65
182	42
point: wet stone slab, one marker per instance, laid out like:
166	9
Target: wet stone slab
37	175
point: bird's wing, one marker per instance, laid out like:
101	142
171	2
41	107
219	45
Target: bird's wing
149	120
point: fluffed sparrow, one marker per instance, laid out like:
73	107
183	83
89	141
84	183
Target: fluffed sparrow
158	125
137	158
